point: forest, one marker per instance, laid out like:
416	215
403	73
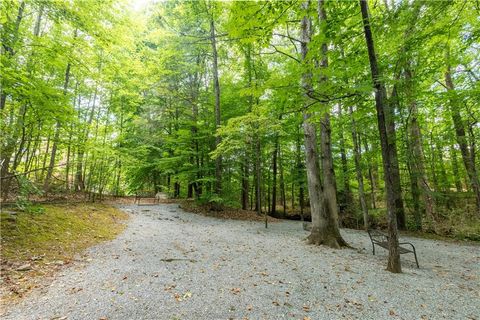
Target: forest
357	114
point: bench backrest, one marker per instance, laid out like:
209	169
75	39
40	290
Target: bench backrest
377	236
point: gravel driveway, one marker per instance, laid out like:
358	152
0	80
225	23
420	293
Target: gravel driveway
170	264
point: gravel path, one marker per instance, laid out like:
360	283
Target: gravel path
170	264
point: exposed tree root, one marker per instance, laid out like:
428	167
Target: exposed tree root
328	239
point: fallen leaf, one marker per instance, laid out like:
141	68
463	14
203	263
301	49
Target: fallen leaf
75	290
306	308
235	290
391	312
249	307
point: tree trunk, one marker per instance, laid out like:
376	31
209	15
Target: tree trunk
324	222
300	177
273	207
216	84
358	170
392	149
267	189
329	183
283	194
455	169
9	47
372	171
394	264
258	176
468	159
346	176
245	184
53	154
421	192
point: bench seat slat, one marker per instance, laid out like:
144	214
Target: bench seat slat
401	250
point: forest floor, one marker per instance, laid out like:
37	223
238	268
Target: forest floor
36	245
170	264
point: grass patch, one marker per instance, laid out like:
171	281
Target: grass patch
35	245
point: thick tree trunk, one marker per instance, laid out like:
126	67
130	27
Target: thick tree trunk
329	183
395	168
216	85
324	222
381	105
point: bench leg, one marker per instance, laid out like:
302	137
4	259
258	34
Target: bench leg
416	260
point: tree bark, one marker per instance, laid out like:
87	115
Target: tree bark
245	184
53	154
394	264
455	169
273	207
424	202
324	222
395	168
329	183
216	85
345	174
300	177
258	176
8	46
466	152
358	170
283	192
372	173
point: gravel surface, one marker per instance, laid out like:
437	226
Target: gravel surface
170	264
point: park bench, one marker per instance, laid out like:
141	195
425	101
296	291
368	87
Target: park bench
381	239
148	197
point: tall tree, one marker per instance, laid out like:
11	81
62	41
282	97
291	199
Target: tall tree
324	222
381	105
216	86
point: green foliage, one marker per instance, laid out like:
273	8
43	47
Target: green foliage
26	189
136	111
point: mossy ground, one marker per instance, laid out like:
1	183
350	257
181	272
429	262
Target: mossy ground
44	242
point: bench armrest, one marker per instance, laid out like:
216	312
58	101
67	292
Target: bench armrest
413	247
